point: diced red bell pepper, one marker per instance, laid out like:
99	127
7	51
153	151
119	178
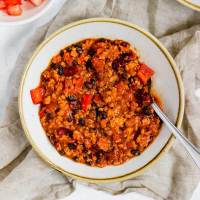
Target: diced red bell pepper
41	113
37	95
14	10
144	73
12	2
85	102
2	4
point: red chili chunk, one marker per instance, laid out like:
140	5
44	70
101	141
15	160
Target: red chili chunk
145	73
95	102
37	95
86	102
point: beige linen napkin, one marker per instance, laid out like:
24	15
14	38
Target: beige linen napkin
24	176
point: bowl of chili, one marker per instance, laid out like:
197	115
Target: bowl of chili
85	100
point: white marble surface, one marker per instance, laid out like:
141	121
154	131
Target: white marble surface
12	40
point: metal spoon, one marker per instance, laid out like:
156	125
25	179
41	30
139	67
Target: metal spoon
191	149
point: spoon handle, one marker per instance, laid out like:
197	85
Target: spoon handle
191	149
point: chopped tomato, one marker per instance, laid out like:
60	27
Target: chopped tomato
85	102
145	73
12	2
2	4
36	2
37	95
14	10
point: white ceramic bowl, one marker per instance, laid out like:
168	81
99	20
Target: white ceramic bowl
30	13
166	80
194	4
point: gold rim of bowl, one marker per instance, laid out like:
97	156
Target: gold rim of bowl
189	4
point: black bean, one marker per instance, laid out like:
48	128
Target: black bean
72	145
135	152
139	96
93	81
146	97
62	152
124	44
71	98
57	110
68	49
131	79
49	116
147	110
81	121
115	64
75	158
88	85
126	54
101	40
62	53
136	134
60	70
79	50
75	106
149	84
124	58
74	63
121	59
88	162
78	47
69	132
97	112
99	155
103	115
91	52
89	65
70	117
53	65
124	76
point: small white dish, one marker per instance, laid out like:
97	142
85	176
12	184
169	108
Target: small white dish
30	13
166	80
193	4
